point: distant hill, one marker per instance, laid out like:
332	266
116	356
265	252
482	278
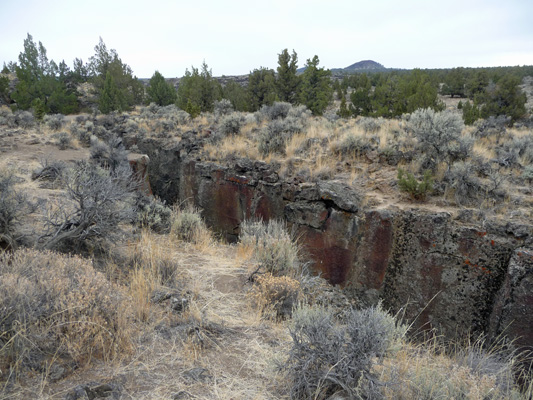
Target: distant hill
361	66
366	65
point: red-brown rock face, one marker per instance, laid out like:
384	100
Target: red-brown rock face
443	274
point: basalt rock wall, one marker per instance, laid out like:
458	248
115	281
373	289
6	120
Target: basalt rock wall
441	273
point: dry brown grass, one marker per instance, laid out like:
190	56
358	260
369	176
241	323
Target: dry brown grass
428	371
275	296
188	225
238	145
57	309
220	347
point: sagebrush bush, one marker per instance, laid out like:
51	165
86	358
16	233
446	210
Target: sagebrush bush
165	125
152	213
278	110
188	225
331	357
231	124
24	119
527	174
130	126
222	108
57	308
273	247
50	170
274	136
275	296
517	150
13	206
438	135
352	145
111	154
64	141
96	203
467	187
149	111
4	113
173	115
370	125
492	126
54	121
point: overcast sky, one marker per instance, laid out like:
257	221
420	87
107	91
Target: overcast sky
234	36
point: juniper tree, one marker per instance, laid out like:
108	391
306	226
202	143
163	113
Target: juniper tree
261	88
287	82
316	91
160	92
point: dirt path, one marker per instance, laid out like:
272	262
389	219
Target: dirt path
218	349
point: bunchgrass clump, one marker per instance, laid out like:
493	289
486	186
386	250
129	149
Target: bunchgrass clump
275	296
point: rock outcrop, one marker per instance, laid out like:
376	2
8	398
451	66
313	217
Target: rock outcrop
441	272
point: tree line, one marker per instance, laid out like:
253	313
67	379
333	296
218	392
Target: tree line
47	87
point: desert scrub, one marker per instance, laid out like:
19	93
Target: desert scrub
272	246
329	356
152	213
278	110
222	108
64	140
470	371
370	125
417	189
463	182
13	206
24	119
111	154
352	145
439	137
231	124
275	296
274	136
54	122
95	204
57	308
283	122
188	226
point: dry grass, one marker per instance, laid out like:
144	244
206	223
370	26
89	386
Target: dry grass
238	145
429	371
274	297
57	309
220	347
188	225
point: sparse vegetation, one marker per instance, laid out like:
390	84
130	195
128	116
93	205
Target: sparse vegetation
96	203
439	137
272	246
182	315
188	225
331	357
57	310
417	189
13	205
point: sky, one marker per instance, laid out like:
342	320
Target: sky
235	37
